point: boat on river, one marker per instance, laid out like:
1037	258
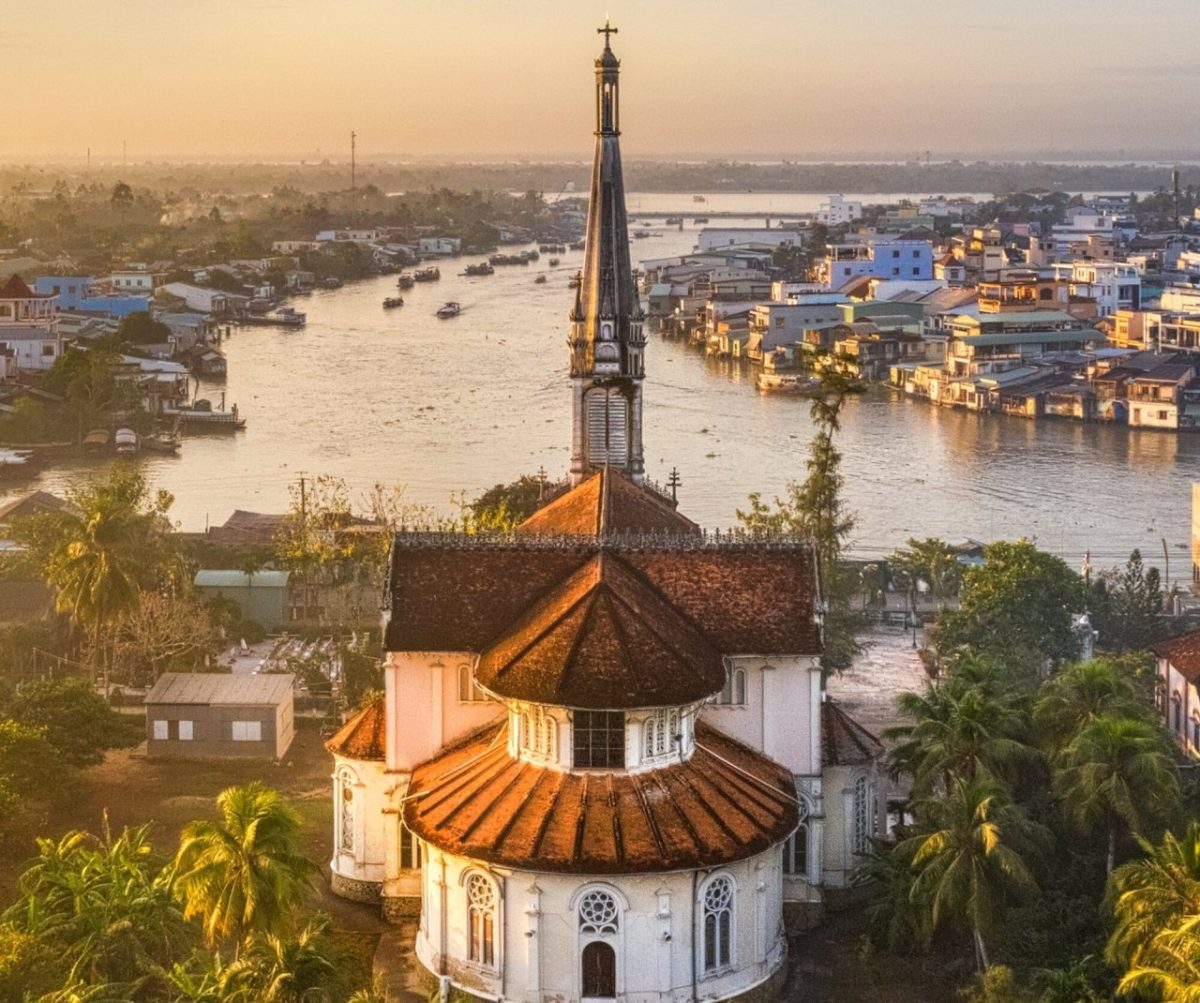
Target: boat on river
554	262
483	268
285	316
96	442
540	280
448	310
787	383
168	444
126	441
427	274
392	302
405	281
201	414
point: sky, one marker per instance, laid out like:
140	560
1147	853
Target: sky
470	79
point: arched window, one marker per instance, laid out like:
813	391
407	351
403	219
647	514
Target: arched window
795	850
1177	713
660	731
526	730
468	692
718	923
862	831
481	920
345	804
734	692
410	850
599	913
539	733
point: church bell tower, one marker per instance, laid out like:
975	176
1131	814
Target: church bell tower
607	343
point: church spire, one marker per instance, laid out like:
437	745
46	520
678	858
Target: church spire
606	341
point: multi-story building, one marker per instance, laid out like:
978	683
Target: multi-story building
883	259
837	211
1114	285
29	325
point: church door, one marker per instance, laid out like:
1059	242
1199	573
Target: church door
599	971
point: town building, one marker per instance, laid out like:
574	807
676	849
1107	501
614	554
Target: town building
1113	285
29	325
137	280
714	237
839	211
1177	665
263	597
206	715
603	766
878	258
77	292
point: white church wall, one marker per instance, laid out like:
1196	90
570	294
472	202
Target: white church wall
540	943
425	710
359	844
845	839
781	712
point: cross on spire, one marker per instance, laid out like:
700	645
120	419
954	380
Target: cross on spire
606	31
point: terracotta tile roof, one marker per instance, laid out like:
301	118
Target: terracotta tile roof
726	803
364	736
16	289
608	502
451	593
1183	652
843	740
603	638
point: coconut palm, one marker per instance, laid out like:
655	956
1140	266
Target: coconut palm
243	873
274	969
1081	693
1153	895
961	731
973	862
1169	971
1116	773
101	551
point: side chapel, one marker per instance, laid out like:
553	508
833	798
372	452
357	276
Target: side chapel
604	766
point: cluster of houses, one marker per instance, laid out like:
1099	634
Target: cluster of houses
1088	318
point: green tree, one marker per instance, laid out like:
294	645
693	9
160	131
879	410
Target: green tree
1021	599
243	873
1156	894
1116	774
79	724
1081	693
503	506
975	859
139	328
281	969
1129	615
963	729
104	905
816	509
98	554
932	561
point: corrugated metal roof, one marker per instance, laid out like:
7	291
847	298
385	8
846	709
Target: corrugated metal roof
217	578
220	690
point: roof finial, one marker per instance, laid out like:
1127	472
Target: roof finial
606	31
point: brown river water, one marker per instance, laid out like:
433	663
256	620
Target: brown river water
444	406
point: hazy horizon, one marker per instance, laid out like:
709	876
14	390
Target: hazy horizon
288	80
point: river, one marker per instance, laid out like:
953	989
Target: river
444	406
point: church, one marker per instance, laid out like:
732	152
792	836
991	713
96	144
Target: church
604	766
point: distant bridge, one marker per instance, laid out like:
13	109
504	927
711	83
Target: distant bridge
693	213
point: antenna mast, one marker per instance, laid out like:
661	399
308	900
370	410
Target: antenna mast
353	137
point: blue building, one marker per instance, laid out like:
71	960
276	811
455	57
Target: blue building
75	292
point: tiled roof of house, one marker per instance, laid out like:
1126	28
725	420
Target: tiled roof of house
603	638
608	502
16	289
844	741
462	593
1183	652
364	736
727	802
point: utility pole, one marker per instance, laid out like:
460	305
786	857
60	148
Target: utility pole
673	482
304	547
353	137
1166	566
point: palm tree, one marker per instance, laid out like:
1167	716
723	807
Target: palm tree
274	969
973	861
1170	970
1160	892
243	874
1080	693
101	551
1116	772
961	731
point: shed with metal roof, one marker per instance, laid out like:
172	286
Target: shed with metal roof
214	716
